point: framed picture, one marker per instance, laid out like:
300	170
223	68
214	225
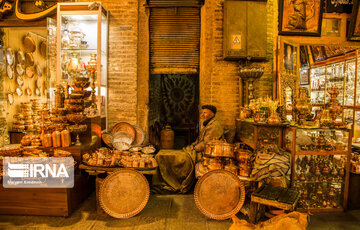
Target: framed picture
289	57
318	53
300	17
304	56
304	76
354	28
332	6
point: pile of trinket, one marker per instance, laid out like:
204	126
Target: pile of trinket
111	158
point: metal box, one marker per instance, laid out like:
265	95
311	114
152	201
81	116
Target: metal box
245	30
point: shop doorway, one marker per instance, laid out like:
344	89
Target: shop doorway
174	100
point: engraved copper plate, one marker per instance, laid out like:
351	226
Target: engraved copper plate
108	139
125	127
140	135
219	194
124	193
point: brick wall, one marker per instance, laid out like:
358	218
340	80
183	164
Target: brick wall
122	62
219	80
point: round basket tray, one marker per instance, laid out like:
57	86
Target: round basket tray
219	194
124	193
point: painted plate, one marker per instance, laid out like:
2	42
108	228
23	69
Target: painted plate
219	194
43	48
38	83
29	59
11	98
20	57
19	70
28	91
38	71
124	127
124	193
19	91
29	71
38	92
9	54
29	44
9	72
20	81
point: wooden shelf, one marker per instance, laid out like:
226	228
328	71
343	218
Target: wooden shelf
321	153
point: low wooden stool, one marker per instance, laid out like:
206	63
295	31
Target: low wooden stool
279	197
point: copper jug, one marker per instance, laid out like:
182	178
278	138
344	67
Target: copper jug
65	138
56	139
167	138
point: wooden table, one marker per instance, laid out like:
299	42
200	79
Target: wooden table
96	170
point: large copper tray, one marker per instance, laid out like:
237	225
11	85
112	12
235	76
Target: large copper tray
124	193
139	135
219	194
124	127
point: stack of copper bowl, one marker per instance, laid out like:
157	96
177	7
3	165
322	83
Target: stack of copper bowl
25	109
243	158
36	107
58	119
19	123
75	105
217	155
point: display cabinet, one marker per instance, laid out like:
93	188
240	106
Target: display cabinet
82	51
320	164
252	133
341	71
341	74
317	85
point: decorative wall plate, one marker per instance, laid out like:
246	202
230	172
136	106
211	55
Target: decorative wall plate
28	91
19	70
37	92
124	193
9	53
29	44
219	194
38	83
9	72
43	48
29	71
38	71
20	57
20	81
11	98
29	59
19	91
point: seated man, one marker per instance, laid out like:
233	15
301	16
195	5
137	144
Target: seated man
176	172
211	130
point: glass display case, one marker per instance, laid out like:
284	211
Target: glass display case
317	85
82	41
339	71
341	74
320	166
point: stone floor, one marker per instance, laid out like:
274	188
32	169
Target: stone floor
162	212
